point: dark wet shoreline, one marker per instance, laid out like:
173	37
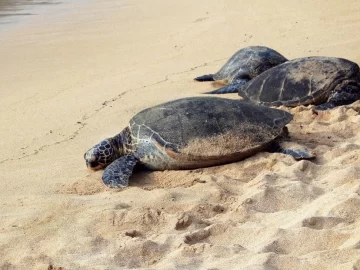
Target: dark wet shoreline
15	10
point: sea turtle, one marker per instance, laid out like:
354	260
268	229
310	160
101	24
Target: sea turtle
191	133
323	81
243	66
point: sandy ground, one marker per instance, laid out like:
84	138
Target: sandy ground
70	79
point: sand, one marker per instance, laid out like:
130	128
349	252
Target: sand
71	78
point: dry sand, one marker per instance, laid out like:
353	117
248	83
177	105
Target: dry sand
70	79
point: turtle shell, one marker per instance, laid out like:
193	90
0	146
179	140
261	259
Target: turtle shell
248	63
300	81
203	131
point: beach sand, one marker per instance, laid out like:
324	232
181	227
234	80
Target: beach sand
70	79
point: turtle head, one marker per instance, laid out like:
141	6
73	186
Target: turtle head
101	155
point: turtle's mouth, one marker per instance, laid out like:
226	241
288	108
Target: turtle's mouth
94	165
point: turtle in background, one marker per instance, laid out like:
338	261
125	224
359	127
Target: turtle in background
244	65
192	133
323	81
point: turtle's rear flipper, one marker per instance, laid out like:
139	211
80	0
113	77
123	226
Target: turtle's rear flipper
298	154
323	107
231	88
295	150
205	78
117	174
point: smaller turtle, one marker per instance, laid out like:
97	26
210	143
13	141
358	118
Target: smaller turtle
191	133
243	66
324	81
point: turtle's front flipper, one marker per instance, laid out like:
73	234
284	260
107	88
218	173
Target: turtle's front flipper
205	78
347	93
231	88
117	174
295	150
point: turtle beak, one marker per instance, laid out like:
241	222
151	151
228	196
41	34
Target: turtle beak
91	161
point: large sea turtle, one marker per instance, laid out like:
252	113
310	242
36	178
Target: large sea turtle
243	66
323	81
191	133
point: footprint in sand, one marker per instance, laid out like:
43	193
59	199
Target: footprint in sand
196	236
320	223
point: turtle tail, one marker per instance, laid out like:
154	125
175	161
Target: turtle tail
205	78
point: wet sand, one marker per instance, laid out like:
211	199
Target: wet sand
72	78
